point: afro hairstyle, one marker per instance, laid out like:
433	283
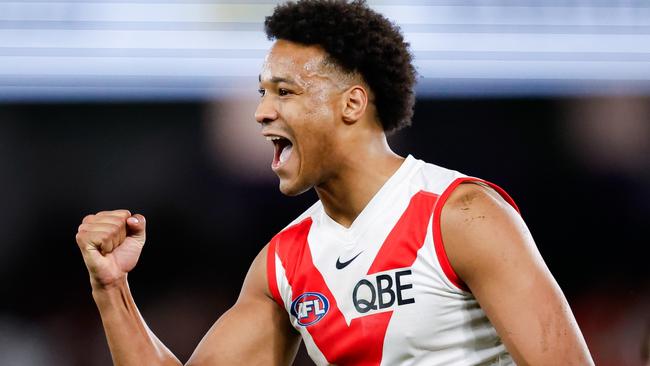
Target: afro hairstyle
359	40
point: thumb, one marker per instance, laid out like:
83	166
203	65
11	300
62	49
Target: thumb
136	226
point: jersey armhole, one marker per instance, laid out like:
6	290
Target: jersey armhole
271	273
441	254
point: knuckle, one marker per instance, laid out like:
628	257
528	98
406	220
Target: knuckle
121	213
104	237
87	218
118	221
111	221
81	238
114	229
81	234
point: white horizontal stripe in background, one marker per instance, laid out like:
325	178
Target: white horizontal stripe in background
113	12
500	42
255	13
155	66
133	39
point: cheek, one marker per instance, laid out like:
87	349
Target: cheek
321	128
318	147
314	128
321	114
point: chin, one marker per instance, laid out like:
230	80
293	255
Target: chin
292	188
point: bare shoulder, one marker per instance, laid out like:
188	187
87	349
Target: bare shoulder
470	198
475	207
481	229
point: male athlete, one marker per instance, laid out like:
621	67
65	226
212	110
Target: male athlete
400	262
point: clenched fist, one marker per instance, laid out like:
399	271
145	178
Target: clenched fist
111	243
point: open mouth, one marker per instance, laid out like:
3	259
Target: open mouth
283	148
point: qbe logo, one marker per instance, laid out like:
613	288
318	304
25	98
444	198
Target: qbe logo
309	308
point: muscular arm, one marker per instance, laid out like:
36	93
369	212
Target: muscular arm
491	249
129	339
255	331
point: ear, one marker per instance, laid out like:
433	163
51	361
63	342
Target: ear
355	102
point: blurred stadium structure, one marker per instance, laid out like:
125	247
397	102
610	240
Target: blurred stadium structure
170	49
149	105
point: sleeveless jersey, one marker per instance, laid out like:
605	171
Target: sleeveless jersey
382	292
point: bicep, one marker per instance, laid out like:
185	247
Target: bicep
492	250
255	331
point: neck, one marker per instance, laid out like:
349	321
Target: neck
359	177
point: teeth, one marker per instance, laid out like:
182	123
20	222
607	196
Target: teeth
273	138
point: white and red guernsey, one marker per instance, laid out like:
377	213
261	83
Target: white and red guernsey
382	292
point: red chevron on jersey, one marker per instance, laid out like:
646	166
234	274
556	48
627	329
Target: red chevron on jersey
382	292
361	342
402	244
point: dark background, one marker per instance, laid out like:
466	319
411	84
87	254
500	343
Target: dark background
579	169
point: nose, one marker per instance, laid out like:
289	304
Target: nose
265	112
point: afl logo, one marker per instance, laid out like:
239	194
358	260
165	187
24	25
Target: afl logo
309	308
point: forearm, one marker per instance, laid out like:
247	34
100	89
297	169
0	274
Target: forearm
130	341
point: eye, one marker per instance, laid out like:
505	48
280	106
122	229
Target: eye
283	92
261	91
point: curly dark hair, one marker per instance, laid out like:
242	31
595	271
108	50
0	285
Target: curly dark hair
357	39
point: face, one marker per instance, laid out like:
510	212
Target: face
299	112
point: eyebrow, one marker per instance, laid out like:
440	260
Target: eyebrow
278	79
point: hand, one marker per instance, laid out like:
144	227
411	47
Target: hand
111	243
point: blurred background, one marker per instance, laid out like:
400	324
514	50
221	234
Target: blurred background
148	105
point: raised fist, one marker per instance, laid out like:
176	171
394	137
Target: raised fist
111	243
